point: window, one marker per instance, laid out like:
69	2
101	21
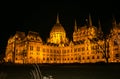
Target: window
38	48
31	47
47	58
43	58
117	55
115	42
37	53
50	58
93	57
79	58
98	57
103	57
71	58
31	53
67	51
54	51
43	50
47	50
68	58
32	38
64	51
83	58
83	49
75	50
16	58
115	48
50	50
88	57
78	49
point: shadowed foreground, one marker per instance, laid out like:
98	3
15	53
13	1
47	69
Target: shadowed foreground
74	71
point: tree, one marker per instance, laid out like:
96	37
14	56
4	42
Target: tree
105	48
2	58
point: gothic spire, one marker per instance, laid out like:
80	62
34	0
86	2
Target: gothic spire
75	26
57	21
114	22
90	20
99	26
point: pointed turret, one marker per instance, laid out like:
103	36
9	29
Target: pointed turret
75	26
57	21
90	20
114	22
99	26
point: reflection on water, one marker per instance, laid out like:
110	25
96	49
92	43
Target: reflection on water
61	71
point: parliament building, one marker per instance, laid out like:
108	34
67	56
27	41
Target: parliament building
88	45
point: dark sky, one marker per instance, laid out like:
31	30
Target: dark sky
41	16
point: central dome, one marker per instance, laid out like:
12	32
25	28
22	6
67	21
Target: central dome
57	34
57	27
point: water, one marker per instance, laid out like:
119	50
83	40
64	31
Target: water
81	71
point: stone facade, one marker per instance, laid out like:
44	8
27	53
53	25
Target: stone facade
89	45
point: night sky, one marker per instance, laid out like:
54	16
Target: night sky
41	16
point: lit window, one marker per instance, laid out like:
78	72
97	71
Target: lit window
117	56
38	48
54	51
43	50
47	50
78	49
98	57
75	50
93	57
37	53
31	53
50	50
31	47
115	42
43	58
83	49
64	51
83	58
88	57
16	58
71	58
67	51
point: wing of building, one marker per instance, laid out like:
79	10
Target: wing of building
88	45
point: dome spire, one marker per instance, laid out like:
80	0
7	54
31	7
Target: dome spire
90	20
57	21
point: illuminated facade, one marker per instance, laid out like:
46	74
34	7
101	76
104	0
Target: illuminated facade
87	46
